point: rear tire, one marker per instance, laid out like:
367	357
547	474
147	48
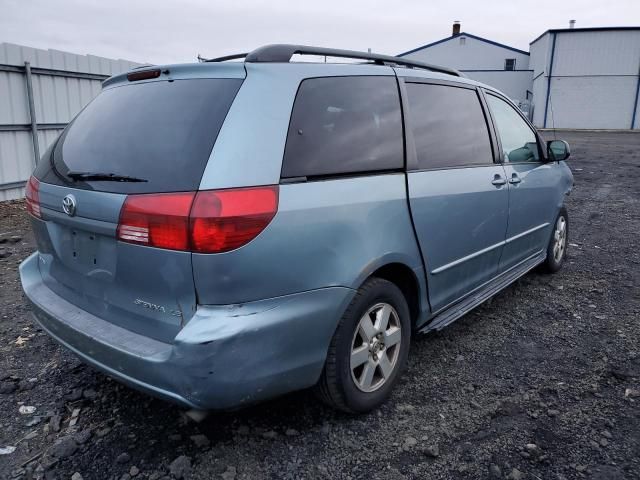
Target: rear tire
368	350
557	247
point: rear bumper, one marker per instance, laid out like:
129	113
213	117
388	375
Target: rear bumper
225	357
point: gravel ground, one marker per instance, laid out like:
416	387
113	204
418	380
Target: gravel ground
543	382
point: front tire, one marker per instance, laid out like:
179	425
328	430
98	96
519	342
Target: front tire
557	247
369	349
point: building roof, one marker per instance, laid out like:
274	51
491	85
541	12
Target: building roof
588	29
465	34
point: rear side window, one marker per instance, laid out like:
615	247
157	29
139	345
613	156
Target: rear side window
449	127
161	132
342	125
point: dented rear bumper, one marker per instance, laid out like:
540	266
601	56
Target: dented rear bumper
225	357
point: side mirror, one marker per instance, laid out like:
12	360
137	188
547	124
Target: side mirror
558	150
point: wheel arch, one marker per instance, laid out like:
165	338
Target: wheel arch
410	281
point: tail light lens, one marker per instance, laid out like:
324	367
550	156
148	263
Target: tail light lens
32	194
156	220
224	220
205	222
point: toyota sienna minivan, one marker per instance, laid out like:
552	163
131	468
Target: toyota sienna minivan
220	233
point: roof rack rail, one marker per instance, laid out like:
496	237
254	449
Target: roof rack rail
226	58
282	53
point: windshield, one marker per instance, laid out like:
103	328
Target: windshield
160	133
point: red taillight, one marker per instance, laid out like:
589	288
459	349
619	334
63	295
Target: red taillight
223	220
205	222
32	194
157	220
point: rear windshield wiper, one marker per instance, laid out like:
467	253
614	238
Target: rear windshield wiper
103	177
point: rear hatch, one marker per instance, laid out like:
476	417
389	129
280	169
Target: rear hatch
137	139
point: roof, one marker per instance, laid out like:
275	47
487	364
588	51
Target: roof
465	34
589	29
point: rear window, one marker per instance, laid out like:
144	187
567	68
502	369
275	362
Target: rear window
160	132
342	125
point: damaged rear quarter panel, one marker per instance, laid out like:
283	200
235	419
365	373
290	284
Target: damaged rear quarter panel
239	354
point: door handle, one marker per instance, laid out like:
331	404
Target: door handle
498	180
515	179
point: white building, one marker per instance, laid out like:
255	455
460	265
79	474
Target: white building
587	78
501	66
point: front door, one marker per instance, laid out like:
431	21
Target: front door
533	185
457	194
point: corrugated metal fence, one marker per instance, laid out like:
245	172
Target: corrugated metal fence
40	92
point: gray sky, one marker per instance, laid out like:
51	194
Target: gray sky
160	31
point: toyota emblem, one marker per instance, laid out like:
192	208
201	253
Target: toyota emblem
69	205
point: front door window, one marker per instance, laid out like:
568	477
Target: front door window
519	143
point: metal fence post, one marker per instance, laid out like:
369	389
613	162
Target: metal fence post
32	114
28	73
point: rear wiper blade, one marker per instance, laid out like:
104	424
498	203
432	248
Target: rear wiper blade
103	177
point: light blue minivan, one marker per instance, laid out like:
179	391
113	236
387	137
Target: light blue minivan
221	233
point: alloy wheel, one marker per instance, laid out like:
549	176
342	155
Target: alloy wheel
375	347
559	239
